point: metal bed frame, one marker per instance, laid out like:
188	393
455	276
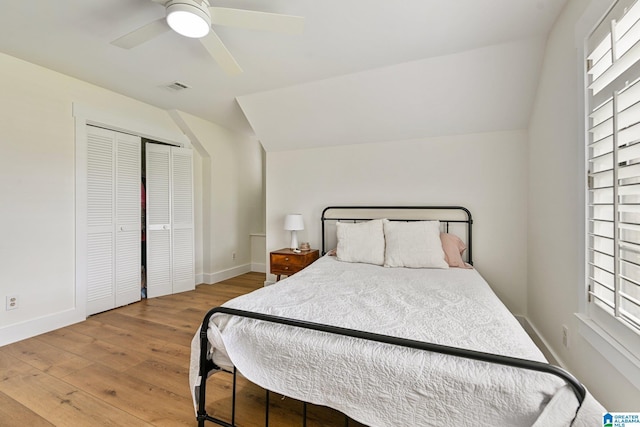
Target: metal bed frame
355	214
363	213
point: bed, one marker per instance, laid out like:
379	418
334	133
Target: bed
388	341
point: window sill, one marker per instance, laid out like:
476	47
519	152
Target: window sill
622	359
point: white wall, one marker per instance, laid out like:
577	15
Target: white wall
556	224
198	220
232	176
37	191
482	172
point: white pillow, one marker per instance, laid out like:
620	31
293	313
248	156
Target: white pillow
413	244
360	242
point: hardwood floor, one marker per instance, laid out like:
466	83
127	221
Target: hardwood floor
130	367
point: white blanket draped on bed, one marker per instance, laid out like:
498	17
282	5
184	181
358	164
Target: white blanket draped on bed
378	384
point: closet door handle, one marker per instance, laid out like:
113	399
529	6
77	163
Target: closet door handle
122	228
165	227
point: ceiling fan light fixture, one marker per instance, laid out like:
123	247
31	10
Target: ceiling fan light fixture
188	18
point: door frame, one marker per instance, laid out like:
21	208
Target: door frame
84	115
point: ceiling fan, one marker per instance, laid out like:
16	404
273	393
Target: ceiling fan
194	18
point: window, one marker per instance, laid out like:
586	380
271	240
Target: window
613	168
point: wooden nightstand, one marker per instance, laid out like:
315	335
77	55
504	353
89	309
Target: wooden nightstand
286	262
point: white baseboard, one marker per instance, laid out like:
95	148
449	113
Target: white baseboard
258	268
219	276
41	325
538	339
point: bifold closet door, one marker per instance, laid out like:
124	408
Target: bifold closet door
184	277
170	246
158	229
113	219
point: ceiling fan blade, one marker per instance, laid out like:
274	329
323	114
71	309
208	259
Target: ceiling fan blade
255	20
220	53
142	34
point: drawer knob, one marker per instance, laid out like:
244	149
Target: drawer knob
286	259
286	268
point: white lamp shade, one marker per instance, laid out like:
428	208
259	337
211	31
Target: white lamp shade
188	19
293	222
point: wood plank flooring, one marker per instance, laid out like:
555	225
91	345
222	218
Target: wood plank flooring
130	367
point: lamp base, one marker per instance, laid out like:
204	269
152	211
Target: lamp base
294	240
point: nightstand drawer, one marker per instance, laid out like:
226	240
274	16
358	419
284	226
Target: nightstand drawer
286	264
283	261
286	270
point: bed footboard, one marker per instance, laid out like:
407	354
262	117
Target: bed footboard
206	366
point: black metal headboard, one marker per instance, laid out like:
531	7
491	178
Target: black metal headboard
449	217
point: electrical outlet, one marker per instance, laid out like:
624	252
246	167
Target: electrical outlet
565	336
12	302
233	255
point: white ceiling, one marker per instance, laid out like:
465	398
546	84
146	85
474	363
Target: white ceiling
363	70
482	90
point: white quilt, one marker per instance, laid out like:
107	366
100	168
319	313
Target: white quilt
379	384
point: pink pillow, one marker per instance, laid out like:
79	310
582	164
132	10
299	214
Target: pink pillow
453	248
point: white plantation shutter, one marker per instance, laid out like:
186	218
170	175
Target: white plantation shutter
170	246
613	157
113	236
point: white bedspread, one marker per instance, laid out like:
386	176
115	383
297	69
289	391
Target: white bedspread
379	384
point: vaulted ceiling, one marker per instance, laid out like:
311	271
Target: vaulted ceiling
362	71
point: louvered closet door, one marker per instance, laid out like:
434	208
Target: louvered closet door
170	250
182	226
113	219
128	222
100	212
158	189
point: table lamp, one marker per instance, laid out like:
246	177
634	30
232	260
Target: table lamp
293	223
